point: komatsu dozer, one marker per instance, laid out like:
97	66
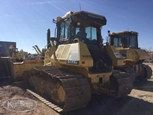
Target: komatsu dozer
126	42
15	55
13	66
77	64
6	63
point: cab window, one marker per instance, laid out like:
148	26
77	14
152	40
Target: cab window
89	33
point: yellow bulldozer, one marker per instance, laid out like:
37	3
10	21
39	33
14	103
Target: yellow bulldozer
15	55
126	42
13	66
78	64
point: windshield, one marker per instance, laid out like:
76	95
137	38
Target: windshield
133	41
86	33
64	31
15	50
125	40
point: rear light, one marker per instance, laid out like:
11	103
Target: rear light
83	62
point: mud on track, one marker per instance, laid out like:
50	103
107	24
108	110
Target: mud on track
139	102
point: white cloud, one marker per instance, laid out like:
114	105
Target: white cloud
41	20
9	15
38	3
49	2
41	3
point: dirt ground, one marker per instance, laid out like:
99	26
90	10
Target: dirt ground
138	102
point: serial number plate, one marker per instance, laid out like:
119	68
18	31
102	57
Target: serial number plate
72	62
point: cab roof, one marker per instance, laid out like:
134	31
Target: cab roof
124	32
87	16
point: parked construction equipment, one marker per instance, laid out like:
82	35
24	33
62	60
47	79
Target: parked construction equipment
79	64
126	43
13	66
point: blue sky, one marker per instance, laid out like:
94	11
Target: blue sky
26	21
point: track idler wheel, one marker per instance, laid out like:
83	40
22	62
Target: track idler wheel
149	71
121	83
58	93
146	73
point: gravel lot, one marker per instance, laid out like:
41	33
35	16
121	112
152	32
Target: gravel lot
139	102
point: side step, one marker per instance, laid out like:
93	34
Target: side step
48	103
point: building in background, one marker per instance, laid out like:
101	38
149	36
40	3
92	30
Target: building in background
151	54
4	47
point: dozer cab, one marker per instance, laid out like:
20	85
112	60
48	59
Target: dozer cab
126	43
15	55
79	64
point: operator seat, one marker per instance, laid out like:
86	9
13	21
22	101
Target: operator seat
81	34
